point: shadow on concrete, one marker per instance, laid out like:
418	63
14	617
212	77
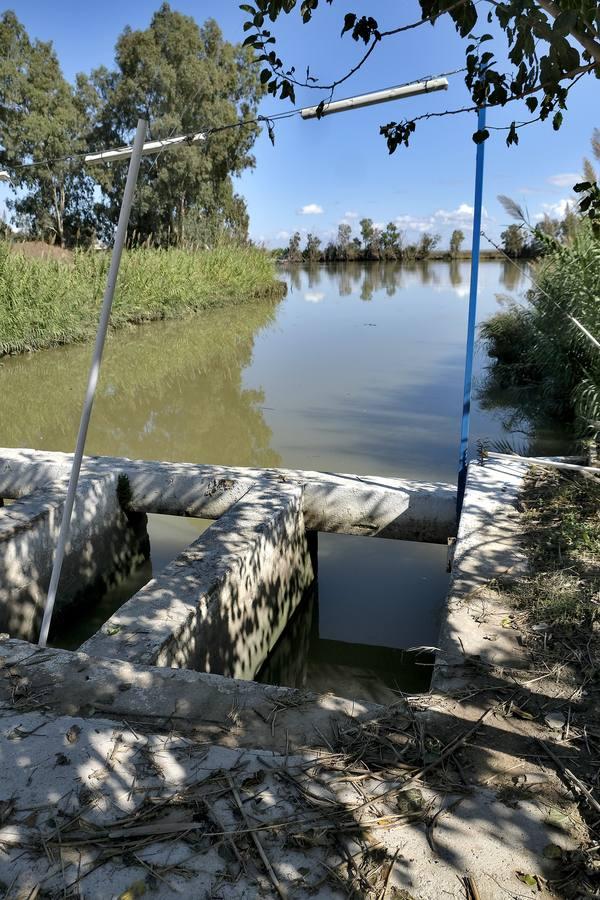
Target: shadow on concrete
221	605
106	546
345	801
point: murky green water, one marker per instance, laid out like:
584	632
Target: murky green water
359	369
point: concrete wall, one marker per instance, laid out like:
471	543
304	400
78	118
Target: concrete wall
349	504
104	546
222	604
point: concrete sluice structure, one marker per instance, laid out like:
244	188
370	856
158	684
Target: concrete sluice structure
221	605
125	773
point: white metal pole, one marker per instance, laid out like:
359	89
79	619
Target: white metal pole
94	372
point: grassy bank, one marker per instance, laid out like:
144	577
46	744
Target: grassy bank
46	302
561	514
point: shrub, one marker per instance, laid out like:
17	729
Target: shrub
541	348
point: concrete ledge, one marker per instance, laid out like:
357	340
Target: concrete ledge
208	707
221	605
487	547
349	504
102	547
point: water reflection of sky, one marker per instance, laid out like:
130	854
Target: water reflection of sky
363	368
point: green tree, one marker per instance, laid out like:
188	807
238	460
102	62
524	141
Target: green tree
366	232
427	243
392	241
344	238
456	241
312	251
371	239
41	116
181	77
513	241
294	253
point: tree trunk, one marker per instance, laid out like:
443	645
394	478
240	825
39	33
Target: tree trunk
59	207
180	220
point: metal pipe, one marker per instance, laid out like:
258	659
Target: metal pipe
148	148
309	112
395	93
94	372
472	318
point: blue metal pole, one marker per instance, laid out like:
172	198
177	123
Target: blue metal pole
466	412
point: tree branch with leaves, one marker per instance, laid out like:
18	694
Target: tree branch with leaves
550	46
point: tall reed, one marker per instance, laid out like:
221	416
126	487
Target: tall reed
46	302
538	348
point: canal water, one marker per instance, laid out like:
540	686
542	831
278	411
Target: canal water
359	369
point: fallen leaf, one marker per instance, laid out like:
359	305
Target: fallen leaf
529	880
521	713
6	810
557	818
137	889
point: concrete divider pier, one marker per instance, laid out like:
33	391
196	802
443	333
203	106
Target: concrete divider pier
221	605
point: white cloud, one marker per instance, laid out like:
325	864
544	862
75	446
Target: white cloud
462	215
314	296
564	179
283	235
555	210
311	209
351	215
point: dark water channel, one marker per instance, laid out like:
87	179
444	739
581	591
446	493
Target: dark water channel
359	370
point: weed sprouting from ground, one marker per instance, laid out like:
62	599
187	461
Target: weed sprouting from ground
48	302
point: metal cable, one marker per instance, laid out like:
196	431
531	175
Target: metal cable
217	128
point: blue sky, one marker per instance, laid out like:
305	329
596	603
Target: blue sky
323	172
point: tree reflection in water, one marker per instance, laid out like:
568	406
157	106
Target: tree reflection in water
171	390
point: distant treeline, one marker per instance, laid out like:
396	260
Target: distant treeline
389	243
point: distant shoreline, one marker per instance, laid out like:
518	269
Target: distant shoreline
434	256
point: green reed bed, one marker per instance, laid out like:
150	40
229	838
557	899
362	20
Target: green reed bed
45	302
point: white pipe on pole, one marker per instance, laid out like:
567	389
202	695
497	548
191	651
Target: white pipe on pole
309	112
149	147
395	93
94	372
